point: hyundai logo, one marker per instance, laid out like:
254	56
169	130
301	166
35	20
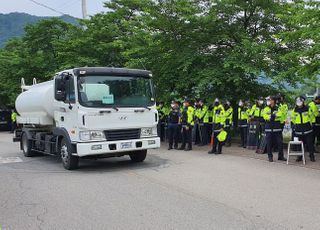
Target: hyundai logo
122	118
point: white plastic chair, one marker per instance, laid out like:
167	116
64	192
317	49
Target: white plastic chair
296	142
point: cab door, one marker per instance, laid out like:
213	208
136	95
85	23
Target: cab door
66	113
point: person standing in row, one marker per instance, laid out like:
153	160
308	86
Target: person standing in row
195	131
163	113
283	106
273	128
301	118
257	109
256	125
243	116
203	119
218	124
13	120
228	121
187	121
173	125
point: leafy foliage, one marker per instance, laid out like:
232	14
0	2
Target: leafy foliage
197	48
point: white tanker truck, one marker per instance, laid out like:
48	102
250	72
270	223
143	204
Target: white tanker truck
89	112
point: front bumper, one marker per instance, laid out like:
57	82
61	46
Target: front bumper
112	147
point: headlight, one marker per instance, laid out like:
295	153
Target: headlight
148	132
92	136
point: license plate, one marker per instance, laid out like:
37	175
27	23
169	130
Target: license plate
126	145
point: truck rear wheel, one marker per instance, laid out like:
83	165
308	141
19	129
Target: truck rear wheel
26	145
69	161
138	156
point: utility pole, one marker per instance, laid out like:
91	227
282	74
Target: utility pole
84	9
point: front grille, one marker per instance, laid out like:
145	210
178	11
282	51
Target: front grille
122	134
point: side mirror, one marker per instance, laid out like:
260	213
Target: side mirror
60	87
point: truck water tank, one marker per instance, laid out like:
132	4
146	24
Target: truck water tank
36	105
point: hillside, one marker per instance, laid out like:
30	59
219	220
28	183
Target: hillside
12	25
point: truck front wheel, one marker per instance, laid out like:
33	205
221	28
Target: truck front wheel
26	146
69	161
138	156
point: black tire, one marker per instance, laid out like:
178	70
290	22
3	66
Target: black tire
26	145
69	161
138	156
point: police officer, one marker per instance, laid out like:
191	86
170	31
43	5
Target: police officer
218	124
228	121
173	125
243	116
13	120
163	112
314	108
203	118
301	117
256	110
196	129
257	120
273	128
187	121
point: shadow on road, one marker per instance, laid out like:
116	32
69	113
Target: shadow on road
45	163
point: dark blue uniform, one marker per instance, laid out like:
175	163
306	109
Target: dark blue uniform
173	127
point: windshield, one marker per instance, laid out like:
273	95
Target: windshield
118	91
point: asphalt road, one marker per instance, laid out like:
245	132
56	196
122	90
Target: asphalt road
170	190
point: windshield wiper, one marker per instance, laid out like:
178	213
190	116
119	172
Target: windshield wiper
115	108
140	106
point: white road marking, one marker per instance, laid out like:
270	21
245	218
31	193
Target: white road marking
6	160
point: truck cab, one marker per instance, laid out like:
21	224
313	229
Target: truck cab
92	112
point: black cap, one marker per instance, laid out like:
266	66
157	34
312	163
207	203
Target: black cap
274	98
187	100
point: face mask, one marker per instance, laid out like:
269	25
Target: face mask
299	103
173	106
268	103
240	103
260	102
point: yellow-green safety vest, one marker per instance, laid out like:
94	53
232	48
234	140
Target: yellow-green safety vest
228	115
243	114
13	116
284	109
314	111
218	115
190	115
203	114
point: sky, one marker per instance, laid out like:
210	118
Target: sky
71	7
